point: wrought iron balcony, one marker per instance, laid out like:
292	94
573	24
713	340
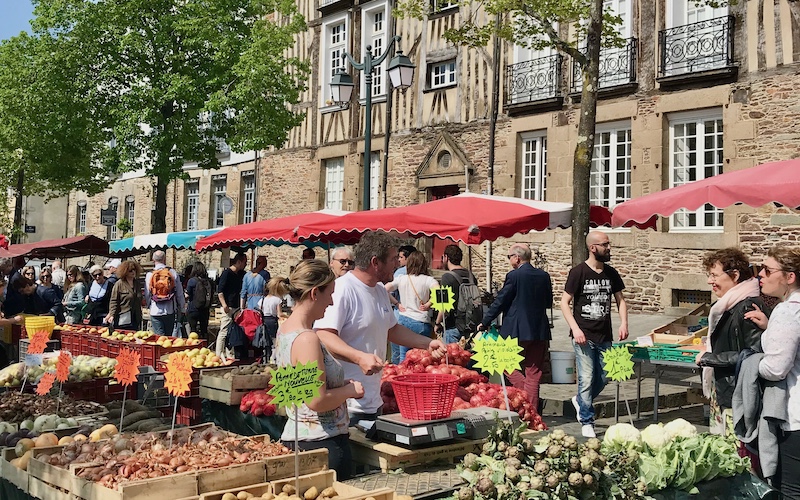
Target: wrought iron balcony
534	80
698	47
328	6
617	67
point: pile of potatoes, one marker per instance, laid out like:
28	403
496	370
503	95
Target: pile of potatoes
289	493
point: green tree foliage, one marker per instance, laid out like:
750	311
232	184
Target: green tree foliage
538	24
165	81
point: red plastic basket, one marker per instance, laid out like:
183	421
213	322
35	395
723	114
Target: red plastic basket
425	396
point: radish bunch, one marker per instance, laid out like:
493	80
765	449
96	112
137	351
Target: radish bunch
258	403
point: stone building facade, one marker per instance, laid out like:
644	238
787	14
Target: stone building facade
695	92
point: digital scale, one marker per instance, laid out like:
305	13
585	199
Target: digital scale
473	423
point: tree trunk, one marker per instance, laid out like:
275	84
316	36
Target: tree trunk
17	231
158	219
586	125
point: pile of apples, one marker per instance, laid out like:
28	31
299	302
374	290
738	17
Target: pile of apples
204	358
175	342
89	330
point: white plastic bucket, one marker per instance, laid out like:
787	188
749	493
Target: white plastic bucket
562	365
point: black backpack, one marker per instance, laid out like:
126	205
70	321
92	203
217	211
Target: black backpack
202	294
468	309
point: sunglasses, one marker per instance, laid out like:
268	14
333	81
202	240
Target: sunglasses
347	262
28	273
97	275
511	255
768	271
43	276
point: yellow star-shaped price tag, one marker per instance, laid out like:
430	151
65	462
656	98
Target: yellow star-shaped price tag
295	384
442	298
497	355
618	363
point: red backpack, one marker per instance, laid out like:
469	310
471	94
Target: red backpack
162	285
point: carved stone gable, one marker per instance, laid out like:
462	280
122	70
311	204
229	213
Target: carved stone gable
444	165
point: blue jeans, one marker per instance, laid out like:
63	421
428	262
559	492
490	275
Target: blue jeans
163	325
452	335
591	376
415	326
395	357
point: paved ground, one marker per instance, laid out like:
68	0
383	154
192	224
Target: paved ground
559	413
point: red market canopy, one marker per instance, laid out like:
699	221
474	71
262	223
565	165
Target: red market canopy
76	246
276	232
467	217
776	182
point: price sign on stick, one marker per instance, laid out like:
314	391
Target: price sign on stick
618	363
442	298
62	366
497	356
500	355
179	374
295	384
38	343
127	367
45	383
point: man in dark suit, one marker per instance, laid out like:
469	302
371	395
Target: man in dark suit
523	300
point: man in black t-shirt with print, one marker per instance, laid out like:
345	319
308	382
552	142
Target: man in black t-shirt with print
589	288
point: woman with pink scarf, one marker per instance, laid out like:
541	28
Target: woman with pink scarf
737	291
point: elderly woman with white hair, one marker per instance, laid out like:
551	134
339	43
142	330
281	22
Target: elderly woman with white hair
99	296
342	261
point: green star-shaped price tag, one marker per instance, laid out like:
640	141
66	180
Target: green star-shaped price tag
295	385
618	363
497	355
442	298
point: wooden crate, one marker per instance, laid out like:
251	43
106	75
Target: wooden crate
50	474
229	391
231	477
283	466
12	474
324	479
40	489
256	489
162	488
389	457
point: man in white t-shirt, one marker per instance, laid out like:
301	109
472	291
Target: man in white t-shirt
356	327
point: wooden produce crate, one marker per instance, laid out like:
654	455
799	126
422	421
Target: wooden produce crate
229	391
324	479
40	489
389	457
12	474
283	466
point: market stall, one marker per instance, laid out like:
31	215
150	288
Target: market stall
137	245
77	246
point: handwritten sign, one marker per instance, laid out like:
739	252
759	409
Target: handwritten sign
127	367
45	383
62	366
442	298
178	376
618	363
38	343
295	384
497	355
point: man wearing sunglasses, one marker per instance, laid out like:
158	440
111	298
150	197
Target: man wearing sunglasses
342	261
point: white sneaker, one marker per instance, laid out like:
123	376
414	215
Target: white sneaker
587	431
577	408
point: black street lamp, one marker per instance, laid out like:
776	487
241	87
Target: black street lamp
401	74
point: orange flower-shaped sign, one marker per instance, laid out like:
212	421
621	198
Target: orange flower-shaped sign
45	383
179	374
127	367
38	343
62	366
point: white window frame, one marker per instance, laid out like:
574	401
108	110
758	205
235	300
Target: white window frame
334	183
681	169
130	211
445	71
219	189
375	34
192	205
81	218
112	230
609	163
374	180
679	12
533	164
248	198
327	62
438	6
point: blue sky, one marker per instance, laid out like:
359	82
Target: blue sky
15	17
